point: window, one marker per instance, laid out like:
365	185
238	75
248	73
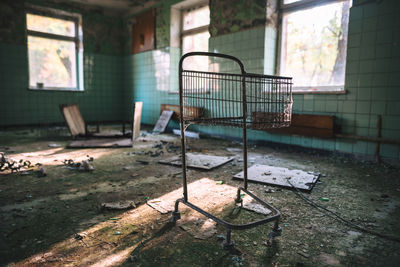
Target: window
195	36
313	44
54	50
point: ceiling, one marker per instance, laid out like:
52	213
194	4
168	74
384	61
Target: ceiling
122	6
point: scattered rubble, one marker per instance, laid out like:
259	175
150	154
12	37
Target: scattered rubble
8	165
187	134
161	206
54	145
200	229
119	205
252	205
84	165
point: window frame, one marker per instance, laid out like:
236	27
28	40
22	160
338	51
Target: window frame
77	40
298	6
193	31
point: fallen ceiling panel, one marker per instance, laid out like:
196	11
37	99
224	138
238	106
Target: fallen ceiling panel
279	176
198	161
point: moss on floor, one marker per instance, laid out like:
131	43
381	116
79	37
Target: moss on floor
40	217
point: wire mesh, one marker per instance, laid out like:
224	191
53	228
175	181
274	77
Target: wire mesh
240	100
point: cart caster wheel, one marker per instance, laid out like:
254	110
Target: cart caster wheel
227	245
275	232
176	215
239	201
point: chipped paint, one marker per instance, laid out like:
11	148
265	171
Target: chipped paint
12	22
233	16
102	33
162	26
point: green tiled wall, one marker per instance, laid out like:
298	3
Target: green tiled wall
112	81
153	79
102	67
100	101
372	84
248	46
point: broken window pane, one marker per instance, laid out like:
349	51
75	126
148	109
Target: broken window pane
52	63
50	25
196	18
314	45
196	42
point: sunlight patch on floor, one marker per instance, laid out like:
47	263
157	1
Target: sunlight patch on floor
97	248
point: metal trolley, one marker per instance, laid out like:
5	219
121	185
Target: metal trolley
249	101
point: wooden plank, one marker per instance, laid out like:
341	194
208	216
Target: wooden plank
74	119
313	121
163	121
137	115
303	124
194	112
143	32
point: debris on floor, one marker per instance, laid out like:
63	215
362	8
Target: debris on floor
54	145
118	205
250	204
101	143
188	134
200	228
8	165
70	229
199	161
163	121
161	206
279	176
41	173
84	165
234	149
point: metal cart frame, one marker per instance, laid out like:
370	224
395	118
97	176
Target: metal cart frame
280	118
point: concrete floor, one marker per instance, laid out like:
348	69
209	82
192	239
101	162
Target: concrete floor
57	219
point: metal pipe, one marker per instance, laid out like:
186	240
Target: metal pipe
244	107
378	145
182	124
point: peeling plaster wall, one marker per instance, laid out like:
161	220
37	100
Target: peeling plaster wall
102	34
162	26
233	16
12	22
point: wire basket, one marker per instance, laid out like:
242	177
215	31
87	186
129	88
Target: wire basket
242	99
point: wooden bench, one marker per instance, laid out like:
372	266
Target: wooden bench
309	125
195	112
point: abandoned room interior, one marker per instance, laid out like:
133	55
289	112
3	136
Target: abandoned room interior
199	133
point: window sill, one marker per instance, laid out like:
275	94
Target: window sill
319	92
195	93
55	89
343	92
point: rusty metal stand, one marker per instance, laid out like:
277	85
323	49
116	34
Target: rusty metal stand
269	101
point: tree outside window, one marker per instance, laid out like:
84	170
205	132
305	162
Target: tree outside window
53	51
313	45
195	36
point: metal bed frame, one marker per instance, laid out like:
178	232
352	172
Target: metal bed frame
245	100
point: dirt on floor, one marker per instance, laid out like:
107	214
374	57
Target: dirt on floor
60	219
